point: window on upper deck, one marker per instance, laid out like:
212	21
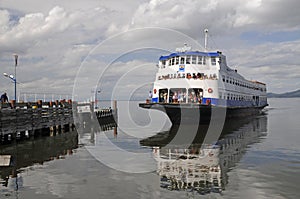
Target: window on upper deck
176	60
194	58
199	60
188	59
173	61
181	60
213	61
163	62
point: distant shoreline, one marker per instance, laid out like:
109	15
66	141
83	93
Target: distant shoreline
292	94
284	97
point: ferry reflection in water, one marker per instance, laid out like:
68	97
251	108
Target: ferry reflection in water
202	168
189	169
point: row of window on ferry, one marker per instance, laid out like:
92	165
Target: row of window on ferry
231	96
233	81
189	59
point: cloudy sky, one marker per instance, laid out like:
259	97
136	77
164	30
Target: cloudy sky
69	46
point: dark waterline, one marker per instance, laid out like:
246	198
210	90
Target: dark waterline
259	158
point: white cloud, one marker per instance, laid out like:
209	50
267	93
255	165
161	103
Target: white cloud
4	21
271	63
33	27
221	16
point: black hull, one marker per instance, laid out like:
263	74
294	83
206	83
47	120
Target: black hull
199	113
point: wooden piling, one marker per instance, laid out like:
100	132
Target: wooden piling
5	160
52	131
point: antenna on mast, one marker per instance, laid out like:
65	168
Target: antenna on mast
205	39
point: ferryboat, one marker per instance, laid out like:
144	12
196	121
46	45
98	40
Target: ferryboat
191	82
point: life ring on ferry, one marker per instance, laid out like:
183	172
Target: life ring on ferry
210	90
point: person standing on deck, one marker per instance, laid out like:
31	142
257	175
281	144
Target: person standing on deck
155	96
150	95
4	98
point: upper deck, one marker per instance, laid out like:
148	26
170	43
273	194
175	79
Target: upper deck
191	53
202	65
190	58
189	64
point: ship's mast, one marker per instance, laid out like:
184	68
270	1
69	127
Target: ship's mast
205	39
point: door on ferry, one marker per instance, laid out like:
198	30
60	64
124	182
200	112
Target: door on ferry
178	95
256	100
195	95
163	95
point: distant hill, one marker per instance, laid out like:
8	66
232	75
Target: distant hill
284	95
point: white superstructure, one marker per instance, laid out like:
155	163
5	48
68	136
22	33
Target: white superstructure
188	76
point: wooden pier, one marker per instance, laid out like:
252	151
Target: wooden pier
34	118
24	120
86	114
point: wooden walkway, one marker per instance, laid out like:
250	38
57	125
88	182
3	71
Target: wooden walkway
26	119
23	120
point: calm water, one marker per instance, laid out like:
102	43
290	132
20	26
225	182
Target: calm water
255	158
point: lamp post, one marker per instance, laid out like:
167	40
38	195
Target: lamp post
96	98
16	63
